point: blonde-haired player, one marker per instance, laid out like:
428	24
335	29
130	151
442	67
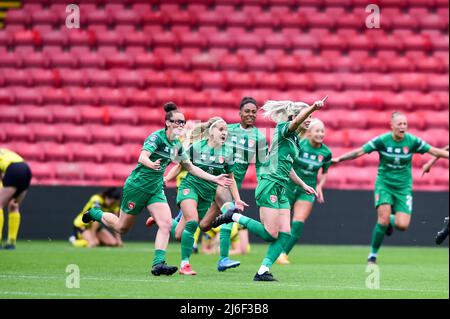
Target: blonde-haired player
314	156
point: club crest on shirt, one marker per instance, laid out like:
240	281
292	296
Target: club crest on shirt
131	205
221	159
377	197
153	138
320	158
405	150
273	198
186	191
251	143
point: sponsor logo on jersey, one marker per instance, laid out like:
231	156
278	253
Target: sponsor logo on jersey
320	158
406	150
186	191
153	138
273	198
313	157
397	151
131	205
389	149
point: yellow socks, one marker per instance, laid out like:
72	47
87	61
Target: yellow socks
2	221
13	226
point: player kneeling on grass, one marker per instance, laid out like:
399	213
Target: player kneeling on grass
94	233
239	241
144	187
393	186
275	226
16	177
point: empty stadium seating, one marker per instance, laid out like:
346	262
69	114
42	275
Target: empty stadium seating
79	103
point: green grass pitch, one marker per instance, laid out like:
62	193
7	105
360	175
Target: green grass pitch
37	269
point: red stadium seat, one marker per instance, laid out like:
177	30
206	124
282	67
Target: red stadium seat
30	152
97	172
121	171
133	134
57	151
42	171
104	134
11	114
17	133
75	133
68	171
36	114
111	153
86	153
44	132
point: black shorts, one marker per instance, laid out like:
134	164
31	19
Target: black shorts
17	175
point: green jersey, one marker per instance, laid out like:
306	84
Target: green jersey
282	152
248	145
213	161
160	148
310	160
395	158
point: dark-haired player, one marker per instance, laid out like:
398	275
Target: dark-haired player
144	187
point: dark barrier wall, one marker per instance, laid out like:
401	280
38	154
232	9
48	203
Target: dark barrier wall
347	217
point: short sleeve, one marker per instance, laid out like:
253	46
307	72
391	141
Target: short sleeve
283	130
372	145
420	146
326	163
151	143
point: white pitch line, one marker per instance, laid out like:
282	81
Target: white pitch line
311	287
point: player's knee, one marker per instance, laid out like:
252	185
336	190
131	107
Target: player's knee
272	232
165	224
384	220
402	226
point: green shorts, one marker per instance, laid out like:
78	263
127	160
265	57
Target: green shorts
204	201
295	193
134	200
270	194
401	201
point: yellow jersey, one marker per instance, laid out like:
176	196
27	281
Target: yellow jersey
181	176
8	157
95	201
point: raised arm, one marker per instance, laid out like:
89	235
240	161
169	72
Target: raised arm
305	113
427	166
349	156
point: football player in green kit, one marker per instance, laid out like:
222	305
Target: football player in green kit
314	156
275	226
144	187
211	154
393	186
248	145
